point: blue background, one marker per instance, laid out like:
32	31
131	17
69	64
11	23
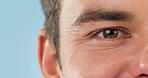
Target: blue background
20	21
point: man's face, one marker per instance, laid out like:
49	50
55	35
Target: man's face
104	38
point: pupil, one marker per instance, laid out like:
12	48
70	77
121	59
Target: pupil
110	33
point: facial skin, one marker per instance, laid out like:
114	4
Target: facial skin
87	51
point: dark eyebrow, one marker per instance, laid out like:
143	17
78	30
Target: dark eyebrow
104	16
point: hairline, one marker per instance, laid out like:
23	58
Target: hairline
51	9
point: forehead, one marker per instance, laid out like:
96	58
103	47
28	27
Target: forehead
72	9
93	3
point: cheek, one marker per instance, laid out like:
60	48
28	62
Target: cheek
95	64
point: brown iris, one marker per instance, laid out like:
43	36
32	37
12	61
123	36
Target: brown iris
110	33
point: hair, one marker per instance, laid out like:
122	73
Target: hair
51	9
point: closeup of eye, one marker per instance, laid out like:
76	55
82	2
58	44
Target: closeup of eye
112	33
109	34
112	36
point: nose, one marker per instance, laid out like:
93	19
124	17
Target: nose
139	66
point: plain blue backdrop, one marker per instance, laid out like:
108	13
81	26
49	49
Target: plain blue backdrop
20	21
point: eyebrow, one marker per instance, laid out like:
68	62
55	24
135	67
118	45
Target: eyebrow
104	16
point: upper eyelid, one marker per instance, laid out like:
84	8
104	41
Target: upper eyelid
95	32
116	27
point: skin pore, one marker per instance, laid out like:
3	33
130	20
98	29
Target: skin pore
98	39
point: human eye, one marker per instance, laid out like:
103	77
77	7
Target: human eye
111	36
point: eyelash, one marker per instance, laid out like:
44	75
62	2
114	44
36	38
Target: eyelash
125	31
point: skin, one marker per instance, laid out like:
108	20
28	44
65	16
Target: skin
84	56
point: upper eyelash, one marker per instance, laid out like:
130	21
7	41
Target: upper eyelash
95	32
